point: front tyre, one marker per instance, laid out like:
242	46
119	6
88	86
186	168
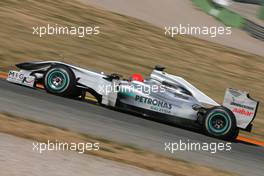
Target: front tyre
60	80
220	122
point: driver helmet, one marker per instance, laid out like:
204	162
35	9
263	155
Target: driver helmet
137	77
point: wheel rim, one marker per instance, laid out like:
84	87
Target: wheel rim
218	123
58	80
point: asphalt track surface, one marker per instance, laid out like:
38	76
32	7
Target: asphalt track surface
93	119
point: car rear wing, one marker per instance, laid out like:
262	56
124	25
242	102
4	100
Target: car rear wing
243	107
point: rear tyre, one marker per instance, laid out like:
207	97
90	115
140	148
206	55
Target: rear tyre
220	122
60	80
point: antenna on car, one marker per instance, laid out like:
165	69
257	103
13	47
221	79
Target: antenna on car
159	68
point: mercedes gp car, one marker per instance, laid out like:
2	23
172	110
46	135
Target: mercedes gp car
161	95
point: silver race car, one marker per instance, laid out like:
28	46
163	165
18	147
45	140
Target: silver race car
162	95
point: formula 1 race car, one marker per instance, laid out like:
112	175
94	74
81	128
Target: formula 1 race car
161	95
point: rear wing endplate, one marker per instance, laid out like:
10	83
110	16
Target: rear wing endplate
242	105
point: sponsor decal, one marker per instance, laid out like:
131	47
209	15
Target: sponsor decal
242	112
153	102
15	75
156	104
242	109
20	78
162	110
242	106
28	80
